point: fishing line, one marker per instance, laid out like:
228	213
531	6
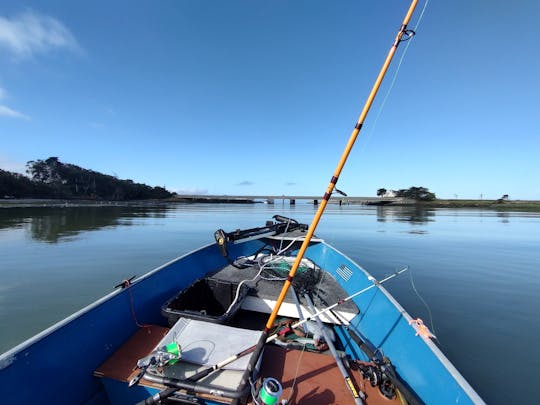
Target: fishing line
425	304
394	78
296	372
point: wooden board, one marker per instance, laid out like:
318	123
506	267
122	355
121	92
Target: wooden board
122	365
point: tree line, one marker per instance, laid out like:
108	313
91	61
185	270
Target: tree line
414	193
51	178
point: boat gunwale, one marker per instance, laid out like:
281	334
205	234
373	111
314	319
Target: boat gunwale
454	372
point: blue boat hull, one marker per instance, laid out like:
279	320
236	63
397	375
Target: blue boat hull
57	365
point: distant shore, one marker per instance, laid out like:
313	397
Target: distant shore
62	202
499	205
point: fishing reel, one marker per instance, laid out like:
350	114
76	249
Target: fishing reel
374	373
165	355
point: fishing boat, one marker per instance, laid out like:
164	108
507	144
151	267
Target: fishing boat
265	315
189	331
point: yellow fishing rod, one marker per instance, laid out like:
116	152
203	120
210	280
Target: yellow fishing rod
402	35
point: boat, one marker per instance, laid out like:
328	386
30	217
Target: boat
156	332
265	315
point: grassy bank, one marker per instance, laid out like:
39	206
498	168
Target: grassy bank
500	205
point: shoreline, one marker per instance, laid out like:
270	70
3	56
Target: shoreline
67	203
496	205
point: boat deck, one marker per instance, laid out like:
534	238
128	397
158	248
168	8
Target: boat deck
300	372
122	365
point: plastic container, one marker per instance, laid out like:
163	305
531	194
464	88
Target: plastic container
206	299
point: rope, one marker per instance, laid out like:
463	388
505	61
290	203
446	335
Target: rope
286	229
127	285
265	265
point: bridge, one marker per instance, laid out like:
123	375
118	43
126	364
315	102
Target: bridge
339	199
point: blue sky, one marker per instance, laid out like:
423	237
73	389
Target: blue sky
256	97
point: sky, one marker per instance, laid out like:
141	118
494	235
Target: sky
260	97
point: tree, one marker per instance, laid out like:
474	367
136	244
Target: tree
416	193
19	186
381	192
66	180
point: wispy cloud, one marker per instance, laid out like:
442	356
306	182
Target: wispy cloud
9	112
290	183
31	33
245	183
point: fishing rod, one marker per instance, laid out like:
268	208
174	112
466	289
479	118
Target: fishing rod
385	367
358	396
403	32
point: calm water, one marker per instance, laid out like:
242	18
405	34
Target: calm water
477	270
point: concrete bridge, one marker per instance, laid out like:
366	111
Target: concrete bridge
338	199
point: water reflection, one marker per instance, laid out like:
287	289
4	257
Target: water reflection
53	225
413	215
504	216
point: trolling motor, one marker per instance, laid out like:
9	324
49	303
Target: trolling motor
271	228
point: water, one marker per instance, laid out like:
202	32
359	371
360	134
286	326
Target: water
477	270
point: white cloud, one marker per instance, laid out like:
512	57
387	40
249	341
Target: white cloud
5	111
32	33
